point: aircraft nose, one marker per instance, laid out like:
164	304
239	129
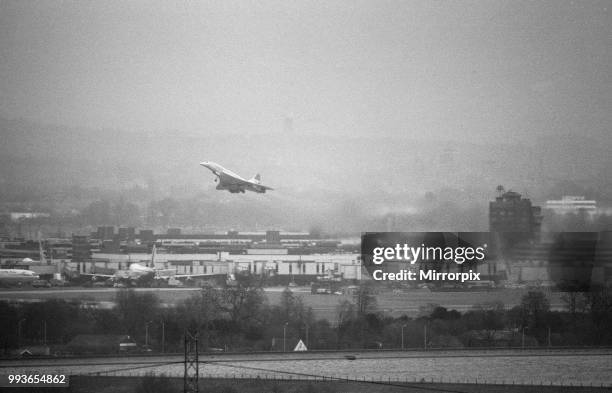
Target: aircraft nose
204	163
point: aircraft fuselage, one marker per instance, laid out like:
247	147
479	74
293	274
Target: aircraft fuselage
232	182
17	276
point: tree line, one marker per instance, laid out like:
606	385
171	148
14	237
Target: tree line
239	318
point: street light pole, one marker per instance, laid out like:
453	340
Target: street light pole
425	336
403	326
163	348
285	336
147	334
19	331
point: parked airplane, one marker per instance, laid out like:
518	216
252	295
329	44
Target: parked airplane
17	276
234	183
136	271
133	272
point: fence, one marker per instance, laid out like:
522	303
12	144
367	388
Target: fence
284	377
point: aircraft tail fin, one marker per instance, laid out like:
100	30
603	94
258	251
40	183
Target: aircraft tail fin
256	179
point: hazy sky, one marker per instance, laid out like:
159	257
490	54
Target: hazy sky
441	68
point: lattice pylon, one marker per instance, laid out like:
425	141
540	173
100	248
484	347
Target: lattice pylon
190	380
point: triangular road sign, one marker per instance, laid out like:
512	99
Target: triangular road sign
300	346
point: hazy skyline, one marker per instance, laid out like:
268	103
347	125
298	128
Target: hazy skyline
448	70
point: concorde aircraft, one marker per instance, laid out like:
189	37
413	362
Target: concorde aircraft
234	183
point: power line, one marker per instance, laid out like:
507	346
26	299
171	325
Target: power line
404	385
131	368
114	363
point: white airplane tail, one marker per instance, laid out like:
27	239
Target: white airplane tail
256	179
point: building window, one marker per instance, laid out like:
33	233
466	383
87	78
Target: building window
290	268
204	269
